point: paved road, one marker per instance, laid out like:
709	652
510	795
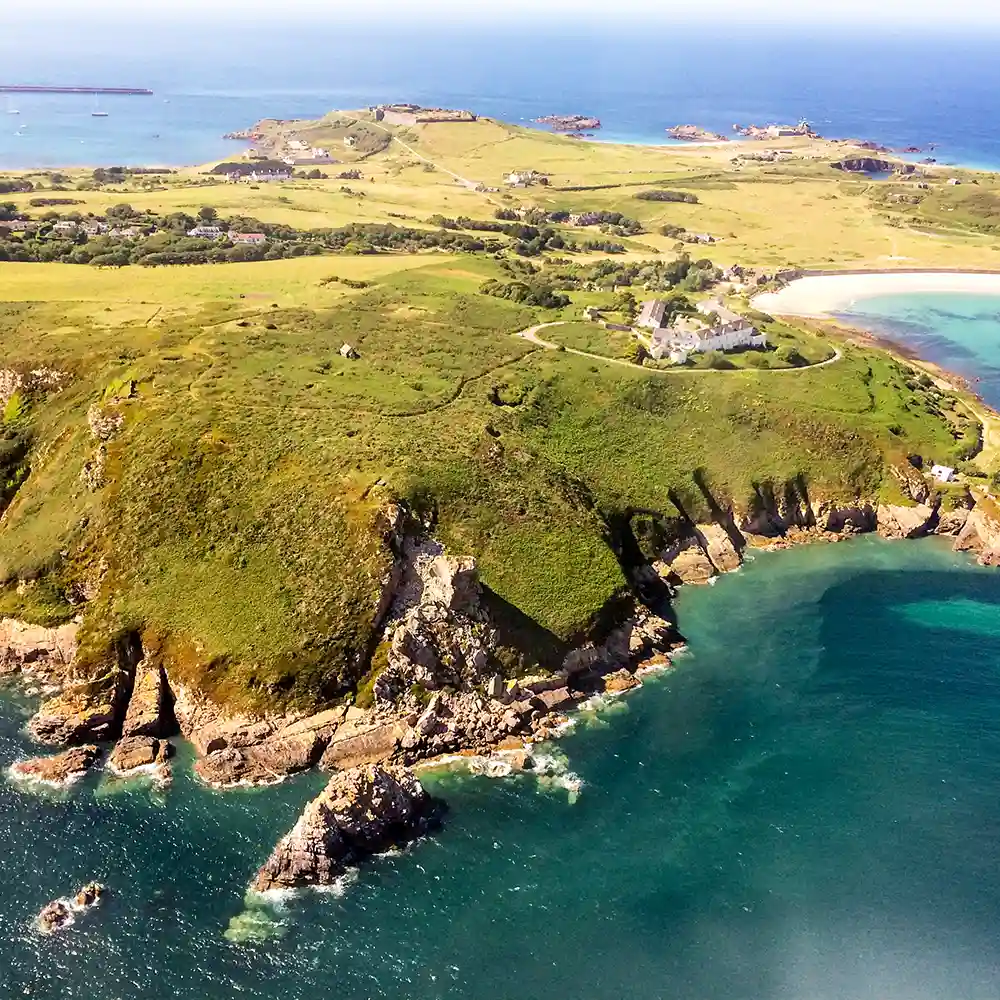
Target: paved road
531	334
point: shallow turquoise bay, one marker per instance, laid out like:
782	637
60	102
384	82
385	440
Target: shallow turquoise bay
805	807
959	332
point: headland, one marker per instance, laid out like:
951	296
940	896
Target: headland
290	472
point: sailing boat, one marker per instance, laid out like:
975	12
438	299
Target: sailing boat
97	112
11	110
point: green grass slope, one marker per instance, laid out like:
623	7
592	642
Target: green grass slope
234	523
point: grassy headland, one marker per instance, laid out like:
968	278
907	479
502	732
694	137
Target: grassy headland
231	517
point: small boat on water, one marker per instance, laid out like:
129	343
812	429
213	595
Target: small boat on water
98	114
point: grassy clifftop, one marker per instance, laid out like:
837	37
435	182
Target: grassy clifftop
228	508
234	517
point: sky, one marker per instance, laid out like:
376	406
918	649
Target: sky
955	14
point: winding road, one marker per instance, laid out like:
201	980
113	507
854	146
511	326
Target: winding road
531	335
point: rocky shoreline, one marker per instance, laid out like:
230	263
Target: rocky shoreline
439	691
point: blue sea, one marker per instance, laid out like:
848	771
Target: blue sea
212	77
804	808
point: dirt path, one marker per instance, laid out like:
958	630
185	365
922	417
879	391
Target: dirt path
531	334
471	185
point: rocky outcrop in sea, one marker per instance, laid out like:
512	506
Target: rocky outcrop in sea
361	812
62	913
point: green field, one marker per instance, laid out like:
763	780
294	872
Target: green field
233	523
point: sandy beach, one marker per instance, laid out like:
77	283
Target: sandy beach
822	295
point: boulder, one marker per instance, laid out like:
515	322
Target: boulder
59	769
48	650
981	534
719	548
953	522
619	681
261	764
89	895
897	521
362	744
77	716
553	701
689	565
847	520
133	752
148	708
361	812
452	583
209	727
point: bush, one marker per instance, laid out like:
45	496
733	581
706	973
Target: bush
661	195
790	356
714	359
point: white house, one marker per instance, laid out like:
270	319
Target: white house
943	473
522	178
652	314
954	181
723	331
251	238
206	232
65	226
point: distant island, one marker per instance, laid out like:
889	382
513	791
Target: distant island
570	123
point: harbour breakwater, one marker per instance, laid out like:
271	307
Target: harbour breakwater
30	89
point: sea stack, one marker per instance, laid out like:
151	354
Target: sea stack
361	812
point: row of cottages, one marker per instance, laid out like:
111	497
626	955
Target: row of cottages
216	233
262	176
720	329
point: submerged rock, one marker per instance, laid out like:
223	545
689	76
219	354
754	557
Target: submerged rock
58	769
360	812
54	916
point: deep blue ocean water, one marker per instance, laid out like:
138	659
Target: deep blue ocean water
805	808
897	88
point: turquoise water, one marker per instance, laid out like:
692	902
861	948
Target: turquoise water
958	332
805	808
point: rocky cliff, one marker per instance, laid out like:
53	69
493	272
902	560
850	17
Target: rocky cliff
361	812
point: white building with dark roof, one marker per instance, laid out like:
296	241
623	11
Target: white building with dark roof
720	330
652	314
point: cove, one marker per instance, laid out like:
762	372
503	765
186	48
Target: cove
961	333
805	806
